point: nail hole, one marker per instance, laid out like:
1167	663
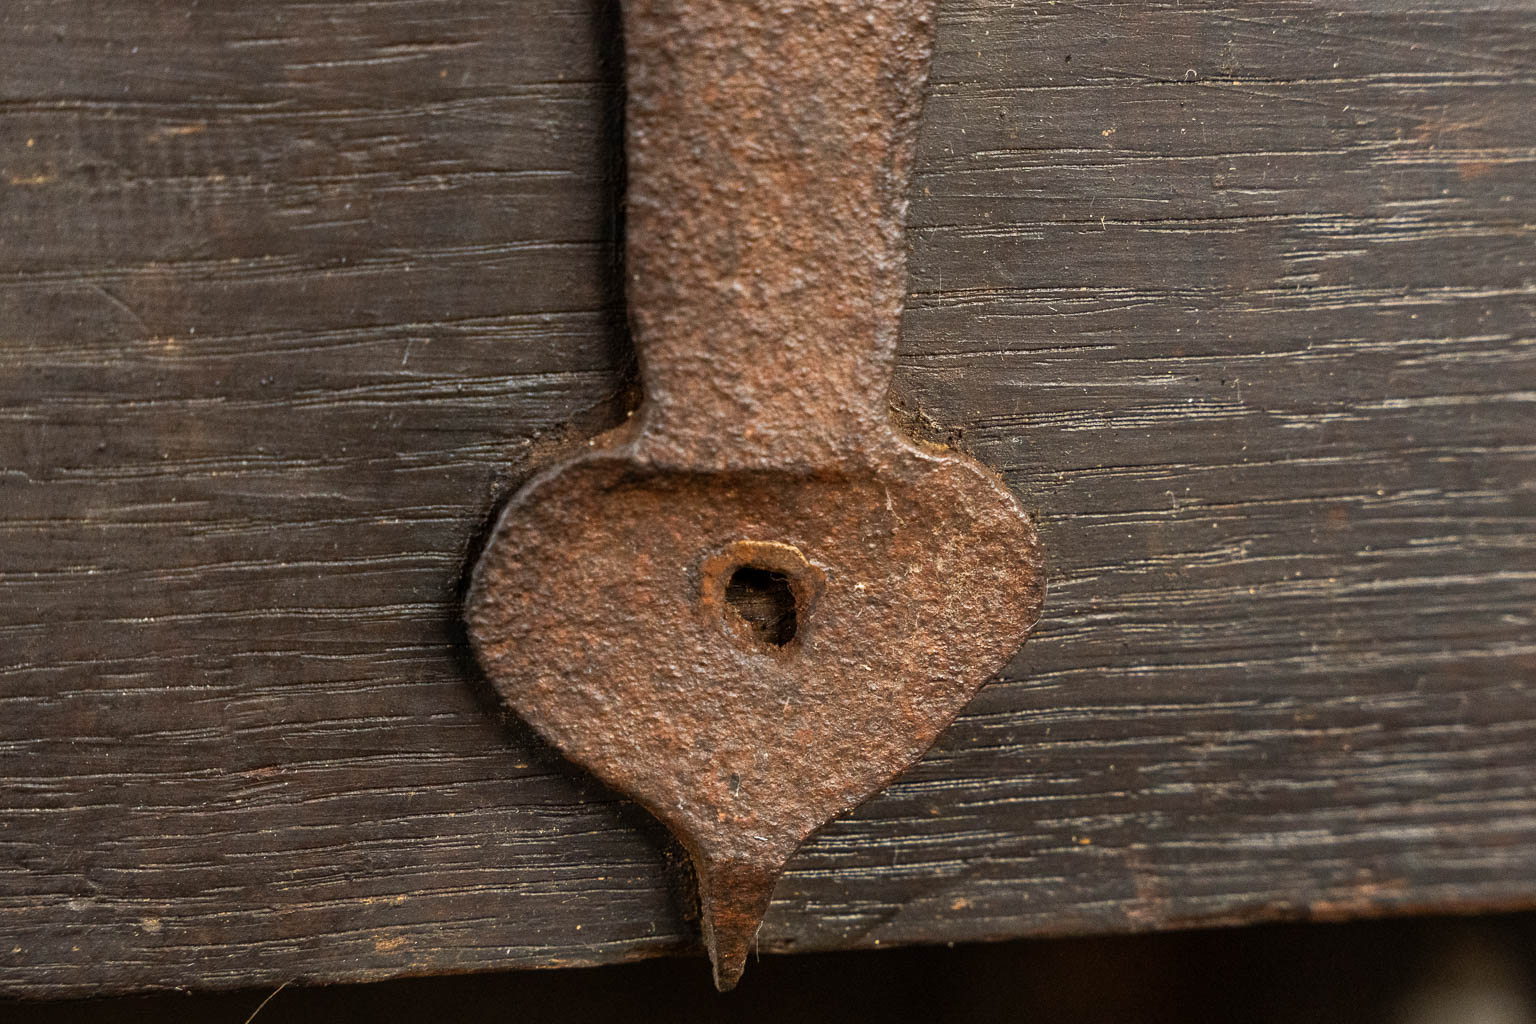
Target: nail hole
766	603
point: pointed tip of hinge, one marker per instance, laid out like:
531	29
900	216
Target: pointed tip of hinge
728	971
733	897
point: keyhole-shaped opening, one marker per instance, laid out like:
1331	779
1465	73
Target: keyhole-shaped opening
765	600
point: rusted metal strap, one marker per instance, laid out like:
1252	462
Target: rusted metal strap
758	601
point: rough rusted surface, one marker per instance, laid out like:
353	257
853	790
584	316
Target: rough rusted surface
769	146
769	150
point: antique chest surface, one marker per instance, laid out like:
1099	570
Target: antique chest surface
1237	300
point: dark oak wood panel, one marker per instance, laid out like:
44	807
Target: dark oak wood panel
1239	297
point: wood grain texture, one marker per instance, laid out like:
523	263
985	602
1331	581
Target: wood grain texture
1239	297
